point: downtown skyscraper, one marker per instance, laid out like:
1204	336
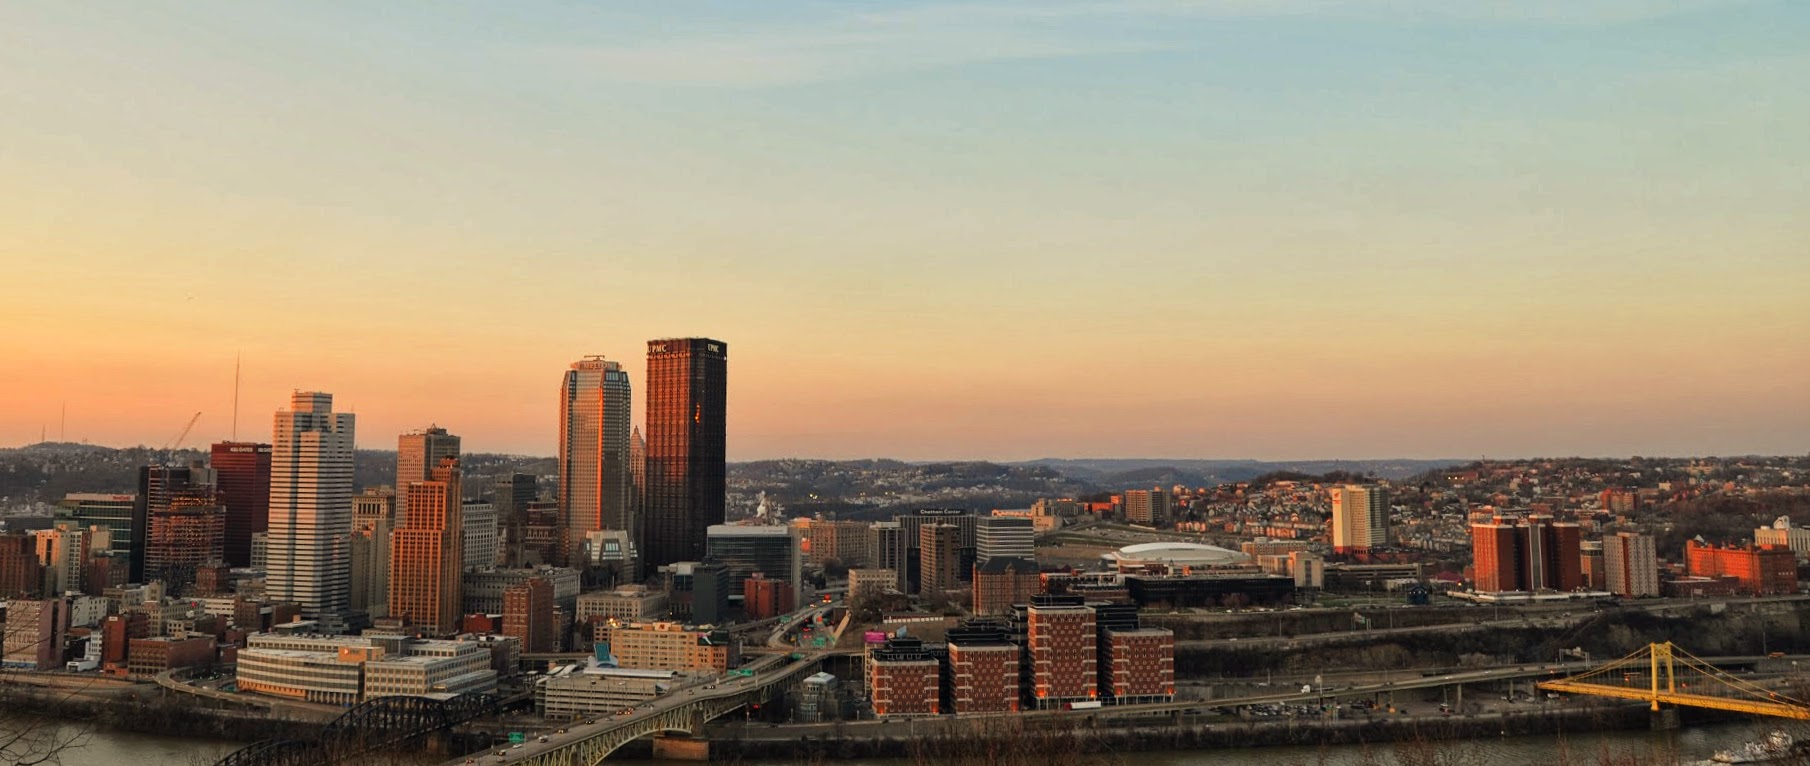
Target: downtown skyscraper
594	472
309	559
242	475
418	453
687	382
426	553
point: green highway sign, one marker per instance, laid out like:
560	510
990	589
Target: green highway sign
516	738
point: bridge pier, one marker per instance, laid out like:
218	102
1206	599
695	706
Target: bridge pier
1665	719
673	747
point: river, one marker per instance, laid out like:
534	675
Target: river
1687	746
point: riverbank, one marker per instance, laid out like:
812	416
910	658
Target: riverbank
149	710
939	737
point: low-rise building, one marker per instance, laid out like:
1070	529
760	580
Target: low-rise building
576	691
863	583
632	603
431	667
670	646
146	657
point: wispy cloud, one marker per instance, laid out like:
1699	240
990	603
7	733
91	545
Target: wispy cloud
937	36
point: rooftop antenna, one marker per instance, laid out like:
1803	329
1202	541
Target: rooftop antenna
236	396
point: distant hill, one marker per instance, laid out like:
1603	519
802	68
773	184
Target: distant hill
1118	473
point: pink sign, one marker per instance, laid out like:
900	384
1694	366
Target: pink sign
874	637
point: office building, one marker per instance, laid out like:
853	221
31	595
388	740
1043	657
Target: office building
187	532
156	485
1782	533
344	670
373	519
841	541
744	550
242	477
697	592
904	679
309	559
146	657
260	551
578	691
418	453
940	560
629	603
594	475
35	633
911	557
528	615
687	381
1761	571
1630	565
483	538
484	589
62	551
886	551
1147	507
427	553
765	597
868	583
611	555
1000	583
431	667
1360	518
82	510
670	646
1004	536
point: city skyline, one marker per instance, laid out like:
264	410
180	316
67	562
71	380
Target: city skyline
1322	229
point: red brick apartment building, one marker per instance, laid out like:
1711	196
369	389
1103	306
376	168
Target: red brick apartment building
1765	570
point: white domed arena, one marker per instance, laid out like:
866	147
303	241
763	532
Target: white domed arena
1173	555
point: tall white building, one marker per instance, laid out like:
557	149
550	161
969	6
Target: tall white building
1782	533
594	471
1360	517
482	539
1004	537
309	560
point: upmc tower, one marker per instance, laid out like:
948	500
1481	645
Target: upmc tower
687	380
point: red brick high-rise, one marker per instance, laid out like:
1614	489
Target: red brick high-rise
1536	554
982	675
904	679
1064	654
763	597
242	476
426	567
1004	581
1496	557
528	615
20	572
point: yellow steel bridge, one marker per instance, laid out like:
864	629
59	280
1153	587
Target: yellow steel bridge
1663	673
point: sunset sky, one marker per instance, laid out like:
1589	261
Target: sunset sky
1107	228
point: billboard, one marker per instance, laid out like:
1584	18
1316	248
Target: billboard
874	637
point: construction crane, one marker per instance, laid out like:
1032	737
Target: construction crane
169	449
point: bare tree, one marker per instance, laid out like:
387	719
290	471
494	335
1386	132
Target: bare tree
32	731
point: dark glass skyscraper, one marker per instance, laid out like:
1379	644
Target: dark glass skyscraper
242	475
687	381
